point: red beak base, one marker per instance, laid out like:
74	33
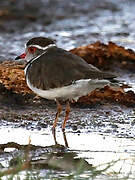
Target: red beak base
22	56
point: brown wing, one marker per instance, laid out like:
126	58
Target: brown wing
58	67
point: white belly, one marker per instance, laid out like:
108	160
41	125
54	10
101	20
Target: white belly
74	91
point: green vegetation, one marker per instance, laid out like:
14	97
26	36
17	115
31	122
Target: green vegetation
23	169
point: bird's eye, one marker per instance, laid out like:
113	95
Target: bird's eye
32	49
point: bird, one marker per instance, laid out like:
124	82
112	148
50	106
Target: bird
57	74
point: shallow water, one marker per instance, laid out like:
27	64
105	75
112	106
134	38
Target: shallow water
101	136
96	149
88	22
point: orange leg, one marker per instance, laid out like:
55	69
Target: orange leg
66	116
65	139
59	109
54	136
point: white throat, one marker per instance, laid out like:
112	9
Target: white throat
39	47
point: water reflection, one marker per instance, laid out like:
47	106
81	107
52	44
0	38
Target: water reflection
96	149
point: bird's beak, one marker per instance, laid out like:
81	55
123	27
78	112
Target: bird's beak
22	56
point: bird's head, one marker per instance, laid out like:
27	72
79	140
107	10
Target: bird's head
35	47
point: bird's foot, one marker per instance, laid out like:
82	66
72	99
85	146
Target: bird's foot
63	129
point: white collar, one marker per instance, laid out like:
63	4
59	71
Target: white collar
39	47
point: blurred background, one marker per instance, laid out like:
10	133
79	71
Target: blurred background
99	134
72	23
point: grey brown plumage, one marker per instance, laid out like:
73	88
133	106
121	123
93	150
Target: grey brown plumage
41	41
57	74
57	68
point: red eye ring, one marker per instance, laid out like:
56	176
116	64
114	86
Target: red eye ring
32	49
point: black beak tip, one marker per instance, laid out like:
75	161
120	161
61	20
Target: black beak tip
18	57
